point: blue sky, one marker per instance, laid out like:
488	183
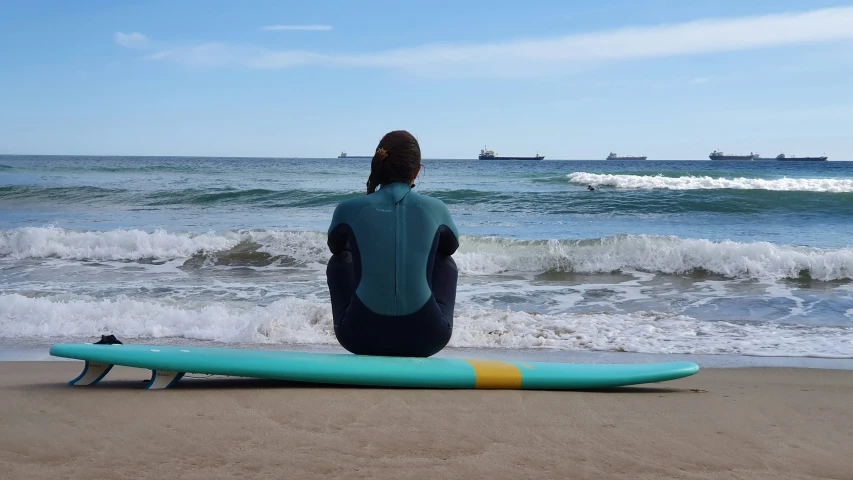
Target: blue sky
572	80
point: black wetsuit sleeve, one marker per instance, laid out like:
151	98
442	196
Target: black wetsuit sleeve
447	240
339	230
338	238
448	235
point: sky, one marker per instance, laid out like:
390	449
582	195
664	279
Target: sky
669	79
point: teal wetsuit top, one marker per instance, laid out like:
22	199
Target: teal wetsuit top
393	235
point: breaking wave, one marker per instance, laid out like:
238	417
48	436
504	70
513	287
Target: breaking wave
477	255
649	182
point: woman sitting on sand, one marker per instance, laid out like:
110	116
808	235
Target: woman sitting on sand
392	279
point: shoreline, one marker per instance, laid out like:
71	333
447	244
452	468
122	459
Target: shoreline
749	423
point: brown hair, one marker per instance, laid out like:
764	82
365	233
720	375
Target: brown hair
397	159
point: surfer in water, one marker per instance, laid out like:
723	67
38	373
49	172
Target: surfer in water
391	277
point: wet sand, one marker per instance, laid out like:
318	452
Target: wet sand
749	423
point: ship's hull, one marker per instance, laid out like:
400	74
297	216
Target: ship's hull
481	157
627	158
731	157
353	156
802	159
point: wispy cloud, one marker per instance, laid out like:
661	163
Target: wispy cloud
131	40
699	80
566	53
303	28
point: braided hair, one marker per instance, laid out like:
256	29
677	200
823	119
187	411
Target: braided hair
397	159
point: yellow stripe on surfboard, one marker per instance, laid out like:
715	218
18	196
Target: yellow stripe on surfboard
495	374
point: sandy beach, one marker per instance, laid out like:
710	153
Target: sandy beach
728	423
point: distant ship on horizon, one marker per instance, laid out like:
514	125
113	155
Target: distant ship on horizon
782	158
486	154
718	155
613	156
344	155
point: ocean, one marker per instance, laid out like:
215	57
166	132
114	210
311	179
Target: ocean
665	257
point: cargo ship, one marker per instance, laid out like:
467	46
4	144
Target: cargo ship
782	157
717	155
344	155
486	154
613	156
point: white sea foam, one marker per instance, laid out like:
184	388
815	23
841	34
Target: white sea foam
477	255
54	242
46	242
289	320
645	182
760	260
304	247
295	321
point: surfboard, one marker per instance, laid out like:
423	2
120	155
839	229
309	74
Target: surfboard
169	364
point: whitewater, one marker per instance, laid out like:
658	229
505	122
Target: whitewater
689	182
477	255
680	258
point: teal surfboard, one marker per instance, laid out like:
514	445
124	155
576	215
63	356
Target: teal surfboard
169	364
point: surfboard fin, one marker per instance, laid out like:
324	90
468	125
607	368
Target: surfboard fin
161	379
93	372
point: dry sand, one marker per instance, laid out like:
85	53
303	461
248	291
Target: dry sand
736	423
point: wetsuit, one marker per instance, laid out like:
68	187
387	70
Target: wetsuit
391	278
